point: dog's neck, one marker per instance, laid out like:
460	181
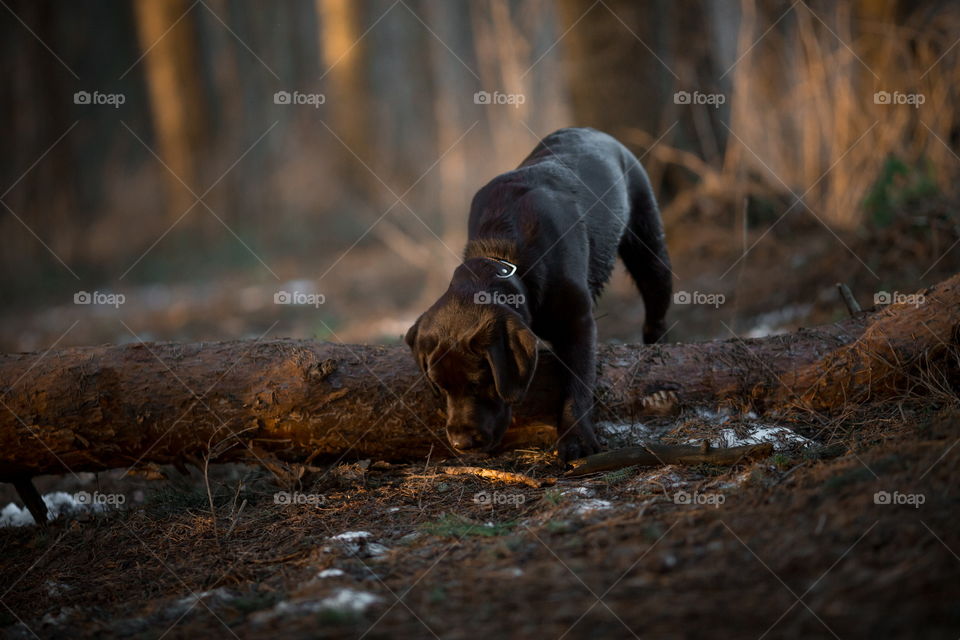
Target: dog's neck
497	248
504	254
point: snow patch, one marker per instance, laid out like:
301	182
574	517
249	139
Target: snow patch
62	617
780	437
59	503
779	321
352	536
349	600
578	492
357	543
592	504
55	589
624	434
583	500
330	573
720	415
664	477
181	606
342	601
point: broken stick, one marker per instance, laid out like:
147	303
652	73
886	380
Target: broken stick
655	455
853	307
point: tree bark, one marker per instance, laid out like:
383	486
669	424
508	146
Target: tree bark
96	408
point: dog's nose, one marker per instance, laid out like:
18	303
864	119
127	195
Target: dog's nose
464	441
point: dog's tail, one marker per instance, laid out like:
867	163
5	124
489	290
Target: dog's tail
643	250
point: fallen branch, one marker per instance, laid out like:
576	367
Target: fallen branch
502	476
655	455
853	307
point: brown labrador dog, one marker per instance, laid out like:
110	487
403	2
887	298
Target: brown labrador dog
543	239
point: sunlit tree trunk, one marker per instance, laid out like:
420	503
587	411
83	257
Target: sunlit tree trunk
167	36
626	60
343	54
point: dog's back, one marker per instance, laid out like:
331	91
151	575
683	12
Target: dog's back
577	200
543	240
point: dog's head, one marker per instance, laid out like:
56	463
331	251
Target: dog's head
481	358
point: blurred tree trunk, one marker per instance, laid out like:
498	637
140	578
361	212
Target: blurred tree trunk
625	61
451	90
96	408
168	39
35	110
876	21
613	79
345	64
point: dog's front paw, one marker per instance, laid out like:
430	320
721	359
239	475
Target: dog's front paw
577	443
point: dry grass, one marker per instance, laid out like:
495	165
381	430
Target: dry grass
805	123
792	122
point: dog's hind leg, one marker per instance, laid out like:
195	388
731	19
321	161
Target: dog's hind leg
643	250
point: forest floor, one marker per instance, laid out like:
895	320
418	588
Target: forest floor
849	534
801	544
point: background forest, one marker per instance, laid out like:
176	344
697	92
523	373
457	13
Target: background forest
194	191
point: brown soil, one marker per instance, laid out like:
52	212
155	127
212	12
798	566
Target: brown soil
796	547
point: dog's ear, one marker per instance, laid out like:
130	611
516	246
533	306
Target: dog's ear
422	358
512	355
411	337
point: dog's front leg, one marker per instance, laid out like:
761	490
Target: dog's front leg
577	352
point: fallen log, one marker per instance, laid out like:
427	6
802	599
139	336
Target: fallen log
96	408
